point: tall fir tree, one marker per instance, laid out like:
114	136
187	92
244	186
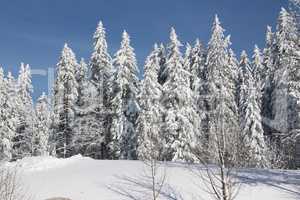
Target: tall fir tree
101	79
286	94
253	148
259	71
219	75
124	101
268	83
181	121
65	95
149	122
8	116
285	74
244	76
23	137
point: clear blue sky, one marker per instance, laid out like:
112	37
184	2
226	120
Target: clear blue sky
34	31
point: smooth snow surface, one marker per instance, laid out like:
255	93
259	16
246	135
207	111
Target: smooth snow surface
81	178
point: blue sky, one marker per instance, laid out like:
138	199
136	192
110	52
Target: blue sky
34	31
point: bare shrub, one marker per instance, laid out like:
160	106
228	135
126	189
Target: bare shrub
11	187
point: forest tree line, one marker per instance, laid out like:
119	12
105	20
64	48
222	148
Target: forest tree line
102	109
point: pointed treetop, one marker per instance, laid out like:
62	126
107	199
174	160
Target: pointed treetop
218	39
244	54
82	61
284	18
125	35
174	37
99	38
217	28
9	75
217	21
67	53
155	47
197	42
256	50
257	56
244	57
269	36
100	25
99	30
67	49
161	46
66	46
188	49
283	11
125	39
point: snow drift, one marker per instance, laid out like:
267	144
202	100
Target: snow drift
82	178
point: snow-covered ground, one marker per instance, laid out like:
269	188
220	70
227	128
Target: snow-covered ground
81	178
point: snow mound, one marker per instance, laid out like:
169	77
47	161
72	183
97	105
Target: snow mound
41	163
82	178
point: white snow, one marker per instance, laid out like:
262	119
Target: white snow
81	178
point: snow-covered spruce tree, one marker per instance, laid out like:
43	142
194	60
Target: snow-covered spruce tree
149	122
84	134
259	72
101	80
219	74
65	95
124	104
8	117
11	114
22	141
88	129
41	132
197	65
5	140
194	63
244	76
181	121
252	144
286	94
268	86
